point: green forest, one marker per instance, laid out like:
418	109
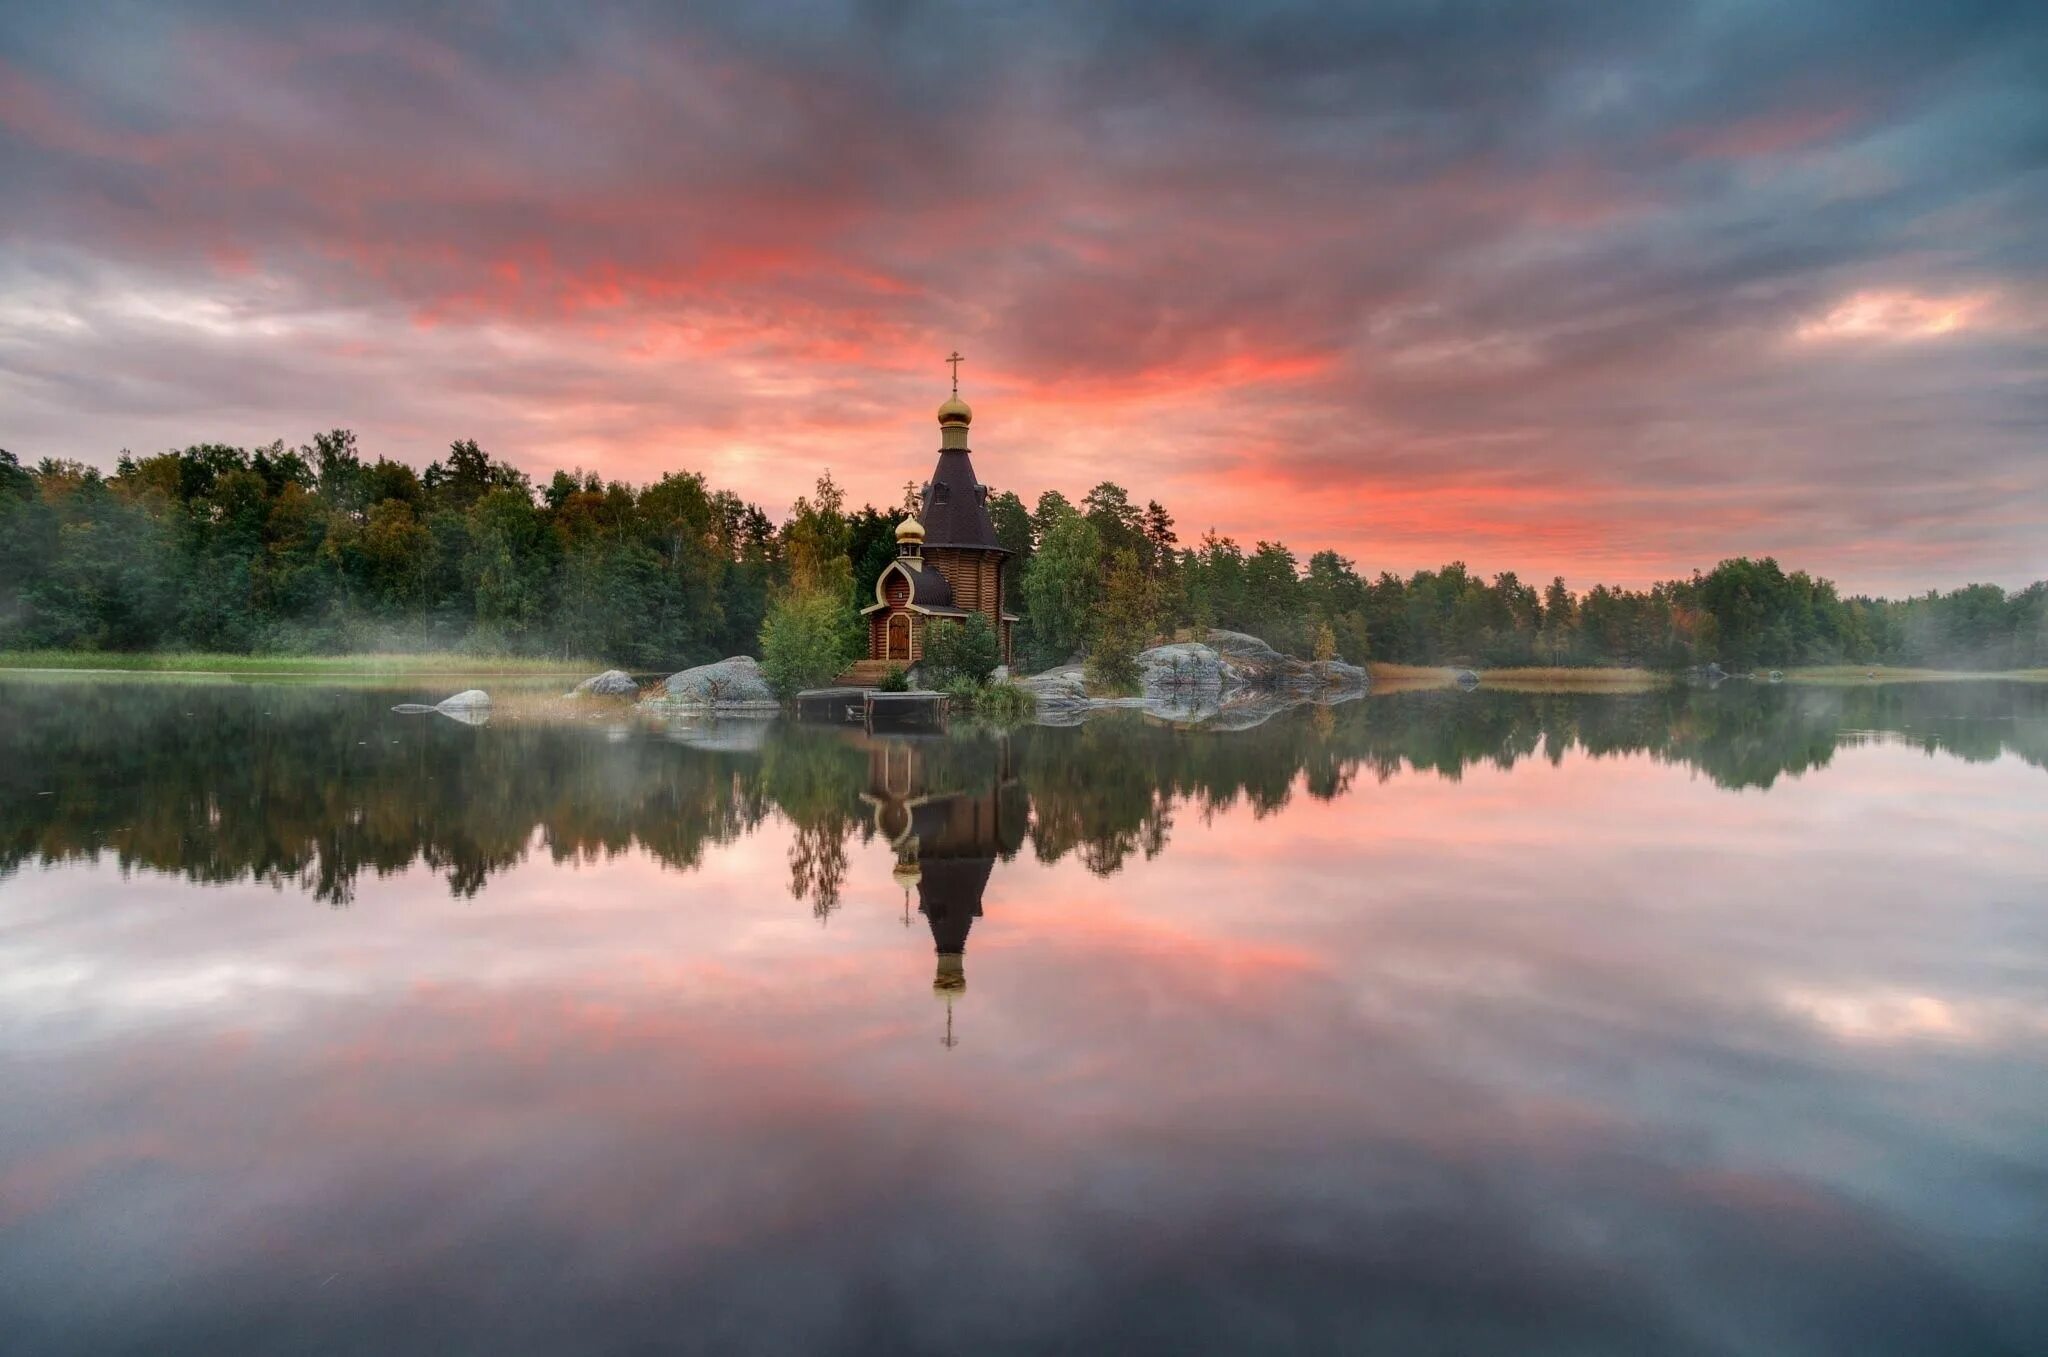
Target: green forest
321	550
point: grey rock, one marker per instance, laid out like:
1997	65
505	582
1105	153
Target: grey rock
1254	664
471	706
1058	689
1710	675
1338	674
1236	684
1465	678
1186	667
729	684
1241	645
611	683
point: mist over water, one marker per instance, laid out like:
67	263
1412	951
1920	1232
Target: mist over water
1683	1021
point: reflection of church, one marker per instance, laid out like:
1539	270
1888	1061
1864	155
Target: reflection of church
947	825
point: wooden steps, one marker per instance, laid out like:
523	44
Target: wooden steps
867	673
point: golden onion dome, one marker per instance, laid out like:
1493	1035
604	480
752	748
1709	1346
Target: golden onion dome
955	411
910	530
907	874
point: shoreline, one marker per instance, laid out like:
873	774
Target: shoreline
1385	676
1594	678
200	664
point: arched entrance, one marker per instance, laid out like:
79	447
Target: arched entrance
898	647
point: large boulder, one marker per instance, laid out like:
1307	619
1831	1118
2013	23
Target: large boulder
1229	681
611	683
1338	674
1253	664
1240	645
734	683
1059	689
1185	669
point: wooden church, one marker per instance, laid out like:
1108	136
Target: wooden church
949	565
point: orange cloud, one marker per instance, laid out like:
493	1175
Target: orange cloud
1897	315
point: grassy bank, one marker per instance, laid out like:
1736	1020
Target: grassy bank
1879	673
429	664
1560	678
1582	679
1595	679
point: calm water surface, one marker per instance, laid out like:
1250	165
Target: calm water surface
1679	1023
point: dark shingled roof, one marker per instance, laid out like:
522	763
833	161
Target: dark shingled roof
953	513
928	589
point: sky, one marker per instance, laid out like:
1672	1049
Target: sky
1606	291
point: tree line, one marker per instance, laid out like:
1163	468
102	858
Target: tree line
318	549
1099	574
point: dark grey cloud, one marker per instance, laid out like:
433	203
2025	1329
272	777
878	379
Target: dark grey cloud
1588	231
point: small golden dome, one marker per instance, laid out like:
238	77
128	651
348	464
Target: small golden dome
907	874
951	978
955	411
910	530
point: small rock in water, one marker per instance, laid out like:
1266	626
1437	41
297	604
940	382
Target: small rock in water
611	683
472	707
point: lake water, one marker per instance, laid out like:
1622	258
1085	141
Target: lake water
1687	1022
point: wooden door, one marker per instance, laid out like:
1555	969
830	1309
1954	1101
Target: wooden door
899	638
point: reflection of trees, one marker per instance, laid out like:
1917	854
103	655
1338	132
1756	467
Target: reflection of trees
817	867
224	782
317	786
1113	786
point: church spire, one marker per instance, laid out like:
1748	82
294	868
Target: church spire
954	415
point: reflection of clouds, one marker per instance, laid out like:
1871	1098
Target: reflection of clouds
1498	1060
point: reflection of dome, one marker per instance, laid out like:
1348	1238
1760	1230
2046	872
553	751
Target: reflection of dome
907	874
955	411
951	979
910	530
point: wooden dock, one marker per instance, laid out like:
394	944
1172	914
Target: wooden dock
874	710
839	706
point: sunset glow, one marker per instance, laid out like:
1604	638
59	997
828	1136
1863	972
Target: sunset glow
1896	315
1410	285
